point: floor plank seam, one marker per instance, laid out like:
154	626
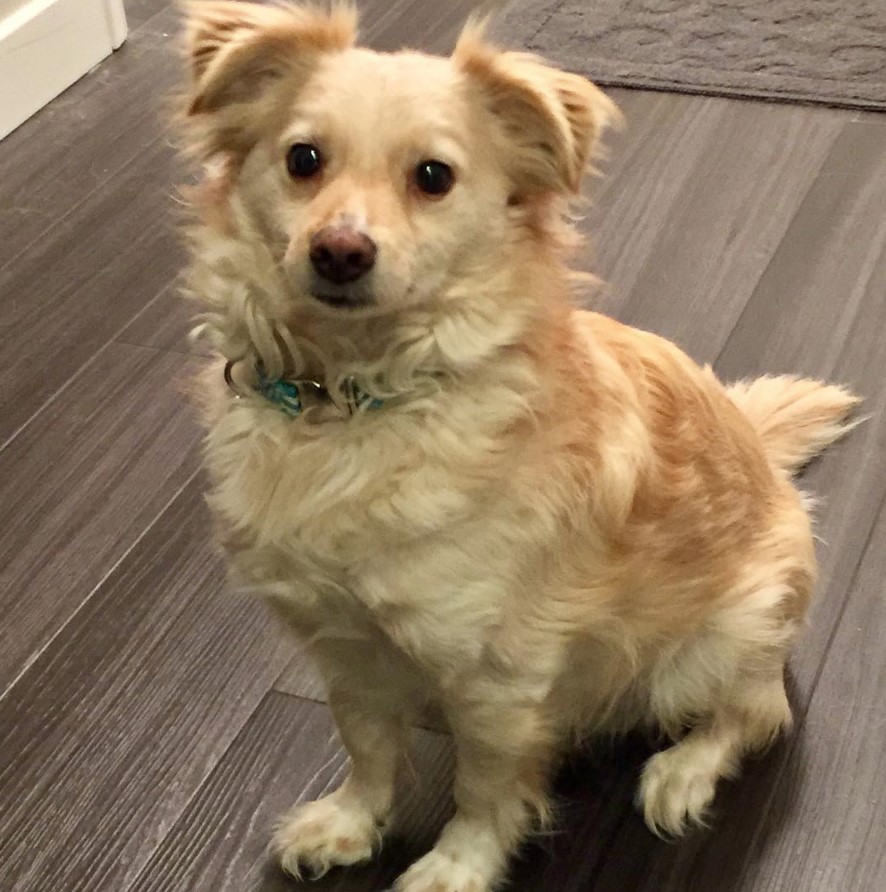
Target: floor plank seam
162	351
850	585
198	789
86	196
141	29
794	741
95	589
283	693
166	351
146	24
771	259
82	370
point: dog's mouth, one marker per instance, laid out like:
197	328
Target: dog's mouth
343	300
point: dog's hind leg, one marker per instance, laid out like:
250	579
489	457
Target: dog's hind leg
725	683
677	785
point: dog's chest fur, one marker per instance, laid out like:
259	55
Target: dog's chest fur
401	523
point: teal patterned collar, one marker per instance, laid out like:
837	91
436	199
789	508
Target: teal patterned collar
290	395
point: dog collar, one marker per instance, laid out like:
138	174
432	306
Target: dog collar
289	395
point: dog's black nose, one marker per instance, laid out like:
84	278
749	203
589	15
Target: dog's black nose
341	254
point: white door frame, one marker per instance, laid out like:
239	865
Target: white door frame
46	45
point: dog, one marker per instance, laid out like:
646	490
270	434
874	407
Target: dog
453	485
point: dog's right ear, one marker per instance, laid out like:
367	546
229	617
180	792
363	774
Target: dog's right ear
239	54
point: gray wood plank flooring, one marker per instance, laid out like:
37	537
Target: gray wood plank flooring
695	204
114	727
839	761
83	138
153	722
82	483
230	853
820	309
66	295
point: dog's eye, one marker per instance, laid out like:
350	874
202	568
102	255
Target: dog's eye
303	160
434	177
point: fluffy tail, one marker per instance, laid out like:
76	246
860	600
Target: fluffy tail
795	417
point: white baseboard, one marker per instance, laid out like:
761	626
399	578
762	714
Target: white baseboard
46	45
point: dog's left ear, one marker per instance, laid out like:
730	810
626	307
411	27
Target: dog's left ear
551	120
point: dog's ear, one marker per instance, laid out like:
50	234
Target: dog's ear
239	52
552	120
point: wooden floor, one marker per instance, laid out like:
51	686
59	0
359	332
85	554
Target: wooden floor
151	722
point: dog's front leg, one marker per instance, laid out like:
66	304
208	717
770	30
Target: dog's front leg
346	826
504	754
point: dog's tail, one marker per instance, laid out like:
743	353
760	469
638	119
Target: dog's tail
795	417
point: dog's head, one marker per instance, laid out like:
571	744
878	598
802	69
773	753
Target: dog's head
378	181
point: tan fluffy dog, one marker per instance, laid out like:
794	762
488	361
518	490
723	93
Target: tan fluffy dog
544	522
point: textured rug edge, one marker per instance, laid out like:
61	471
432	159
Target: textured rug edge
787	97
519	25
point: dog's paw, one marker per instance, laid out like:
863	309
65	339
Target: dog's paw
437	872
332	832
675	791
